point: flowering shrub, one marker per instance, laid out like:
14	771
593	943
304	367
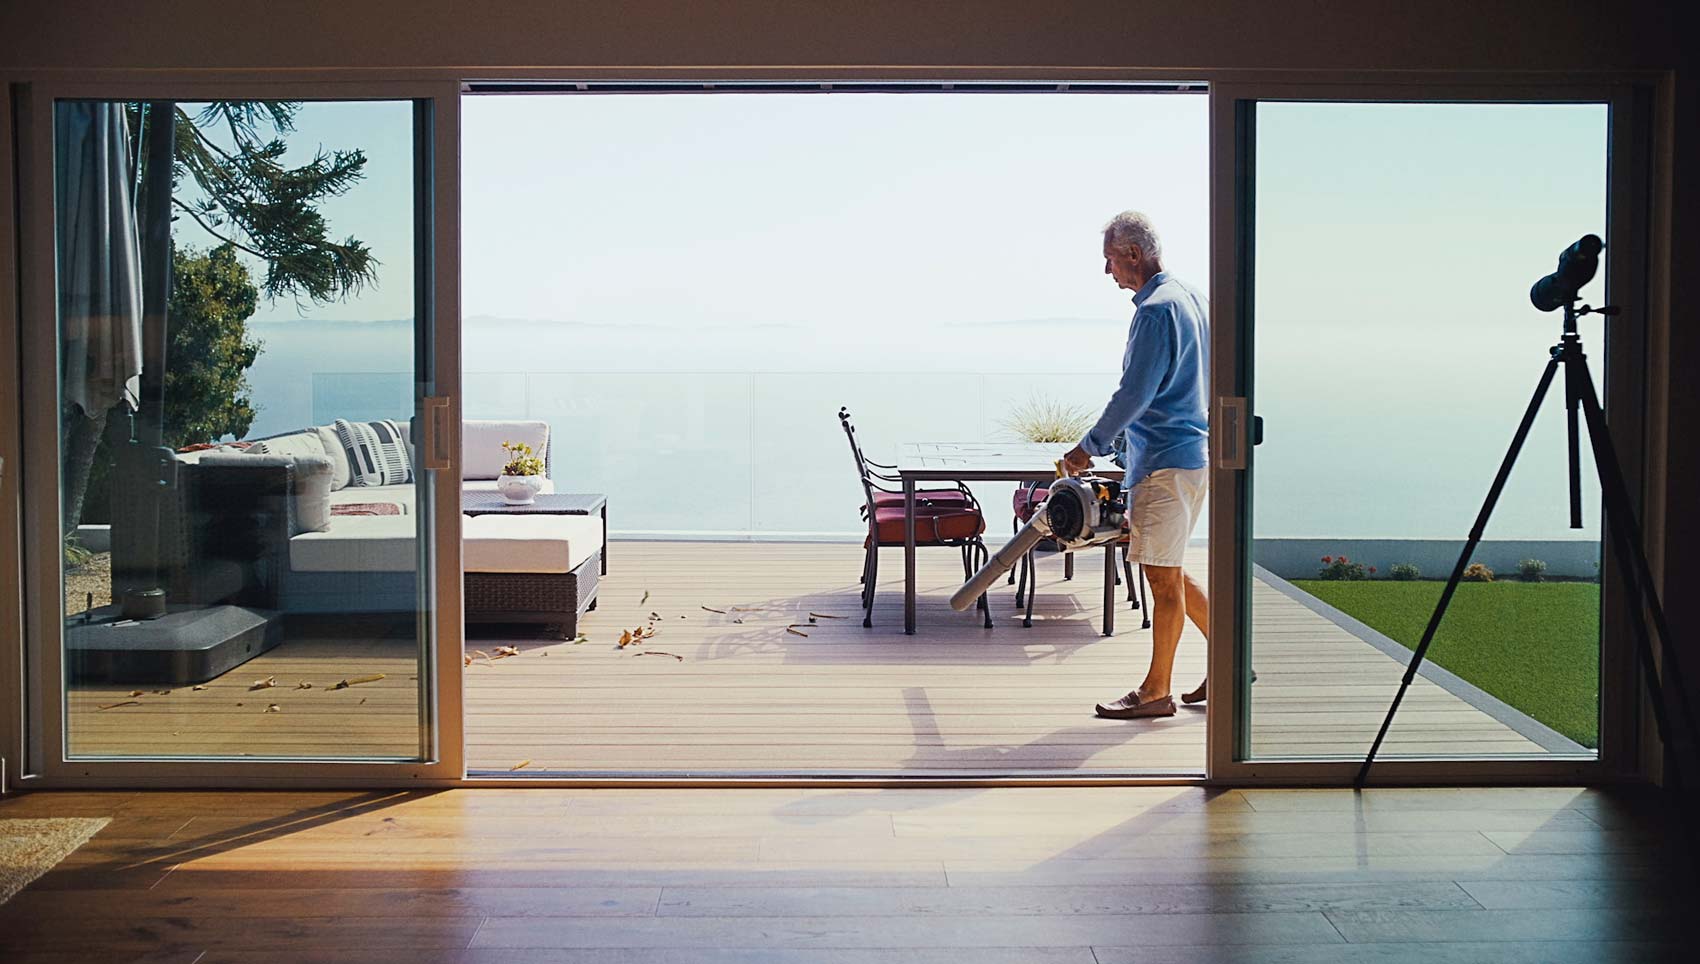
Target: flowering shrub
1340	567
1478	573
521	460
1531	570
1404	571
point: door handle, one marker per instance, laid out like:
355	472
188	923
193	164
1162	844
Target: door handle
1230	432
438	449
1257	430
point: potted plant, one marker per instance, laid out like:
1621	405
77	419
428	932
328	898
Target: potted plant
522	476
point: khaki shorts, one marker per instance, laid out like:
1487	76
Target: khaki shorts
1166	506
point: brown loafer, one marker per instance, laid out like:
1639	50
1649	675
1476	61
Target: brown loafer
1129	707
1203	692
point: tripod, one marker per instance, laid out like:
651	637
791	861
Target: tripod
1621	529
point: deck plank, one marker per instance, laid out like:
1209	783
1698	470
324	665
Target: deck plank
750	696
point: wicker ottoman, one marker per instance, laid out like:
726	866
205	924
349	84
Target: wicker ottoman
531	569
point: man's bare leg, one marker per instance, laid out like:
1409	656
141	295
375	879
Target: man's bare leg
1170	606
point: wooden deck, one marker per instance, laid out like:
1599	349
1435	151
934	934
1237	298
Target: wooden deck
746	695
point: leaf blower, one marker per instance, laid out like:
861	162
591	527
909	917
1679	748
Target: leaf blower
1079	513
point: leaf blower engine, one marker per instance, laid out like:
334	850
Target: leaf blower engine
1078	514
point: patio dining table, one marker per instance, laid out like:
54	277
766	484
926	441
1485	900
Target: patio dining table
966	462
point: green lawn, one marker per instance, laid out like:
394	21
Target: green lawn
1534	645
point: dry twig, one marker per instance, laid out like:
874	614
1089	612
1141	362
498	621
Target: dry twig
357	680
793	630
125	703
657	652
264	684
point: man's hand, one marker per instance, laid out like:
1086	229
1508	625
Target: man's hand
1077	461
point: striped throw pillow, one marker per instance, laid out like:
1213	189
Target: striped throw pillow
377	453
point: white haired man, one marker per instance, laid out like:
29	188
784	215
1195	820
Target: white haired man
1161	405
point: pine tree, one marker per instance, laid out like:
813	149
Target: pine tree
229	176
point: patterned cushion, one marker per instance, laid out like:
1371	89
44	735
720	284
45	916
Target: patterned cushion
376	451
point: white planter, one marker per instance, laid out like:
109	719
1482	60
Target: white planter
519	489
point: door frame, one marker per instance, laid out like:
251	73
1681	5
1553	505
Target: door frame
1650	92
436	112
1626	375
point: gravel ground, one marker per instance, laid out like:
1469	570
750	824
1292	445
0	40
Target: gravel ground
95	576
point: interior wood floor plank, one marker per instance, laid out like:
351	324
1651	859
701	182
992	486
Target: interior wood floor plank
864	876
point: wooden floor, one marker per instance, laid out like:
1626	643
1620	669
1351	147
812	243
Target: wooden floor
748	694
1136	875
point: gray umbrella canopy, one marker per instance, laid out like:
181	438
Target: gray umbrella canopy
100	261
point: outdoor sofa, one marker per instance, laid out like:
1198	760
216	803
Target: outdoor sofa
283	524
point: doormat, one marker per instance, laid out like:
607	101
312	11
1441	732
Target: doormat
32	847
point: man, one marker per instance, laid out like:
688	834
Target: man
1161	405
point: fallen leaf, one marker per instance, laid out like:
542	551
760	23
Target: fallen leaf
162	692
125	703
506	651
272	708
264	684
468	660
135	692
625	639
198	687
303	685
581	638
519	766
362	699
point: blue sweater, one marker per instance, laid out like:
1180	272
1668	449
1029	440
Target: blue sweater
1161	401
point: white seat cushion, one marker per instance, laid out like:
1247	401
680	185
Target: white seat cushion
489	543
528	543
358	543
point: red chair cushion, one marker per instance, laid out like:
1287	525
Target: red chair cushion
950	497
1027	501
933	525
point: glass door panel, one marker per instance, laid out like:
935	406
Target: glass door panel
1394	351
245	524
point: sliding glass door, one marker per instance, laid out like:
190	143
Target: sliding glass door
1378	353
244	539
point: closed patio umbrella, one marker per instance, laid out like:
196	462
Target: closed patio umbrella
99	282
100	260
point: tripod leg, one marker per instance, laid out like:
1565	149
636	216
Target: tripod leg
1463	561
1621	525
